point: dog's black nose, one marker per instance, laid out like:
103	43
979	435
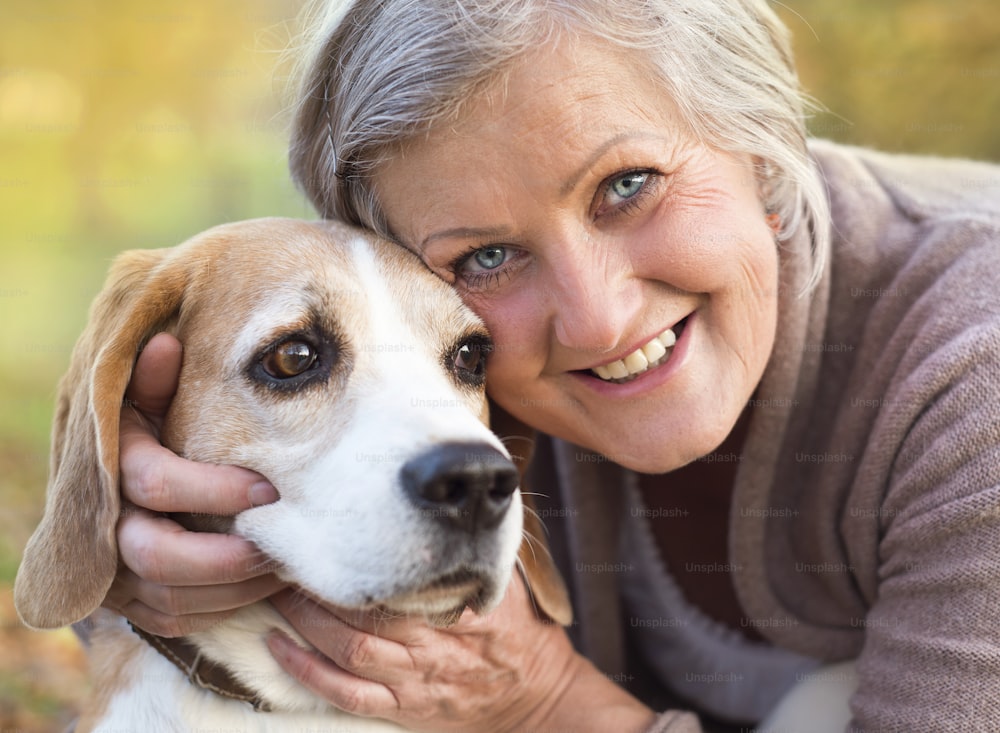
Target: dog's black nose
468	485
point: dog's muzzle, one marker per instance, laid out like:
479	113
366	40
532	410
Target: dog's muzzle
465	485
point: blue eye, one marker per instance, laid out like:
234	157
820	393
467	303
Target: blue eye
628	185
482	266
489	258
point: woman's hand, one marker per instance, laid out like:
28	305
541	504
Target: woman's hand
506	671
172	581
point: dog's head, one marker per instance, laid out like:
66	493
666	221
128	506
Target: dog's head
337	366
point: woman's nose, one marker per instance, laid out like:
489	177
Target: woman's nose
594	304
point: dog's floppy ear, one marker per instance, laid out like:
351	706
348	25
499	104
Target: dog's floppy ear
71	559
534	559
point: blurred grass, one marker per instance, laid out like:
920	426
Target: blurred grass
132	125
918	76
122	125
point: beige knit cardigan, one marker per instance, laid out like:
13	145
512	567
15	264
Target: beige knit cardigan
866	515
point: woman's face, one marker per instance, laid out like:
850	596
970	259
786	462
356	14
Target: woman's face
574	213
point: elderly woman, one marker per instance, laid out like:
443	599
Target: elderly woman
764	372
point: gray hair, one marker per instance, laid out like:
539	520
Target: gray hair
375	74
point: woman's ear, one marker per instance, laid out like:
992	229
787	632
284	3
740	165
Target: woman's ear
72	557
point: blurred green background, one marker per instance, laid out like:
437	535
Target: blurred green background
136	125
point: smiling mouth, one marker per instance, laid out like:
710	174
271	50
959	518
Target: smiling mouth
650	355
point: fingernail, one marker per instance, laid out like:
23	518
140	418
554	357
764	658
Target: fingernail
262	493
279	644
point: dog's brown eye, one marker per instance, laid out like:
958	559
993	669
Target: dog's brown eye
289	359
470	360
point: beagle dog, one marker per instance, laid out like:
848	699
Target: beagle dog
339	367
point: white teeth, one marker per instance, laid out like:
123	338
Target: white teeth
636	362
654	350
652	354
618	370
602	372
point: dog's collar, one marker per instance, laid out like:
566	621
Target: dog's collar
202	672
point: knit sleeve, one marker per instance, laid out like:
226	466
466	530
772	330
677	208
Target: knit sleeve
931	655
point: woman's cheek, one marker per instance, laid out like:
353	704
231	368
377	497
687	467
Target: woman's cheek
515	345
